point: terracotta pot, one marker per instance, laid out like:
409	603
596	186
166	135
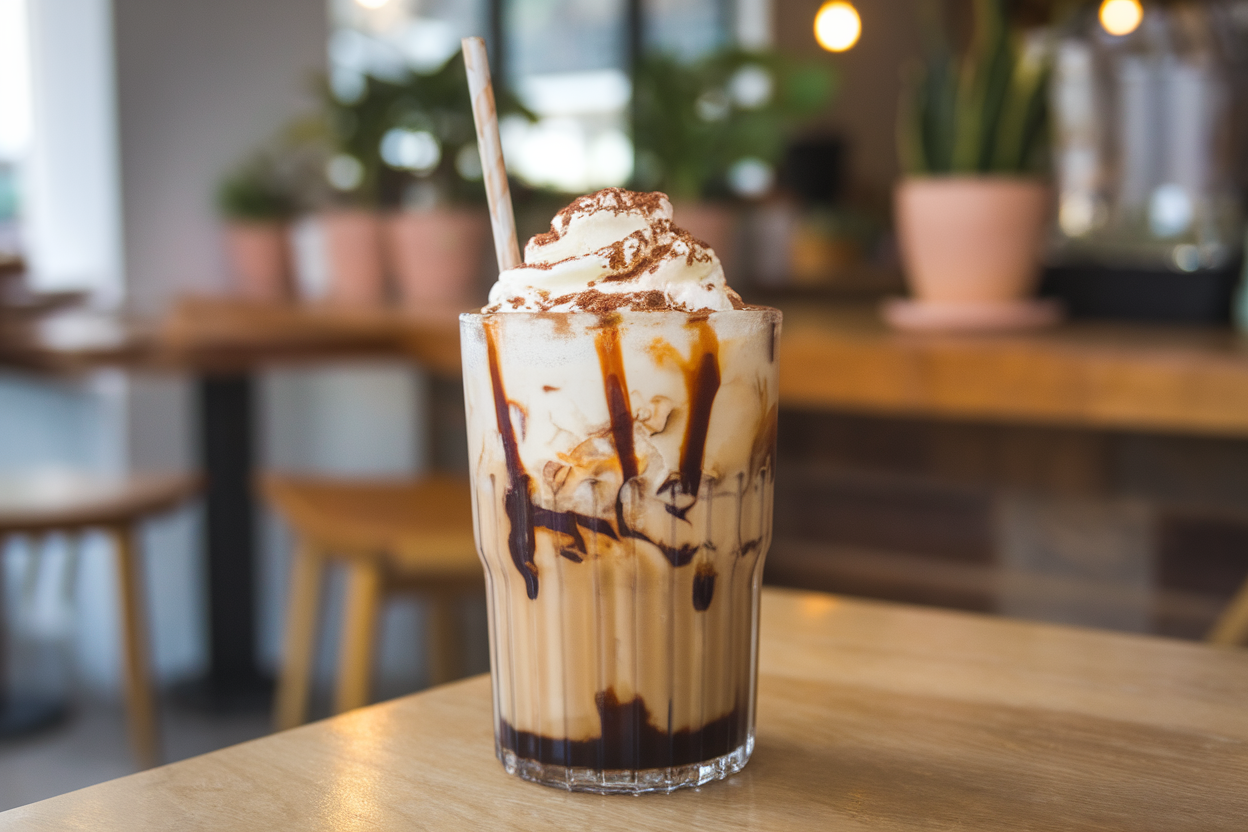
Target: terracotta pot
715	225
971	239
259	254
436	255
353	253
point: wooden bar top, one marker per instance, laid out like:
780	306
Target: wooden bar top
1083	374
870	716
832	357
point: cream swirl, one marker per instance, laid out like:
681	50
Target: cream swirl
610	250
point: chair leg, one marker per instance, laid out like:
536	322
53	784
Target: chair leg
1232	625
140	702
359	626
442	638
291	698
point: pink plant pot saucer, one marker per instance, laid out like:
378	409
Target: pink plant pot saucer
927	316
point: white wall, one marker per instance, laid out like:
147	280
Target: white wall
199	84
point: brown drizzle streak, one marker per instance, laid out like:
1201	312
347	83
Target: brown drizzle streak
702	380
703	586
522	515
615	385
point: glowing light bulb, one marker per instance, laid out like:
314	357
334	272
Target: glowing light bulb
372	4
1121	17
837	26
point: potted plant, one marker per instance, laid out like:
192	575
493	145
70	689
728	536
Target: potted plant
352	125
256	208
972	208
409	147
713	130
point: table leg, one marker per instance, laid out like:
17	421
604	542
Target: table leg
225	445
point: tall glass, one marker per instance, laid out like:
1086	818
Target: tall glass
622	469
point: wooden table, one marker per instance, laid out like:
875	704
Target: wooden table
870	716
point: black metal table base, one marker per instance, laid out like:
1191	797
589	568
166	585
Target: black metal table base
232	681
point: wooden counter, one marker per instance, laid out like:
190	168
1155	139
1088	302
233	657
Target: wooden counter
1101	375
1132	377
870	716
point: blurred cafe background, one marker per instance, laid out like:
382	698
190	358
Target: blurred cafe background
1007	236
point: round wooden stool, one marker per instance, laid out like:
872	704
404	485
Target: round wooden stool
39	504
391	536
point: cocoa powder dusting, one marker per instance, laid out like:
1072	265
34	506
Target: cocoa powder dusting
615	200
605	303
626	269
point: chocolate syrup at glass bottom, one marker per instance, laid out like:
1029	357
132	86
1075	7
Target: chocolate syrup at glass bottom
629	740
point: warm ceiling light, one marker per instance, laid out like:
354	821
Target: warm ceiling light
1121	17
372	4
837	26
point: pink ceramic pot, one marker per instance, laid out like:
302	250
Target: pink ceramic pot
353	253
971	239
436	255
713	224
259	254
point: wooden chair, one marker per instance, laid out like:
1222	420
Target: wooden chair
40	504
390	536
1231	627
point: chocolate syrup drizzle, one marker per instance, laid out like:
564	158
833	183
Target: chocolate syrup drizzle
702	383
620	409
524	517
702	378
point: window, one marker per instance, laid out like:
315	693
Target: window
566	60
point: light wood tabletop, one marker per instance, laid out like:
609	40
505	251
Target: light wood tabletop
870	716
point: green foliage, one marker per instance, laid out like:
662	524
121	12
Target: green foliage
982	112
435	104
255	192
694	121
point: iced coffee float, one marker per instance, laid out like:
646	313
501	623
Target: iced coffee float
621	406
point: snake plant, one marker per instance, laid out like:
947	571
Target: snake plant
982	112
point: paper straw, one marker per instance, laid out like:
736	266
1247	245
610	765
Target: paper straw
497	191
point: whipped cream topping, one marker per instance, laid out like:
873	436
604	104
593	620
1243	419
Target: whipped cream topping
614	249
